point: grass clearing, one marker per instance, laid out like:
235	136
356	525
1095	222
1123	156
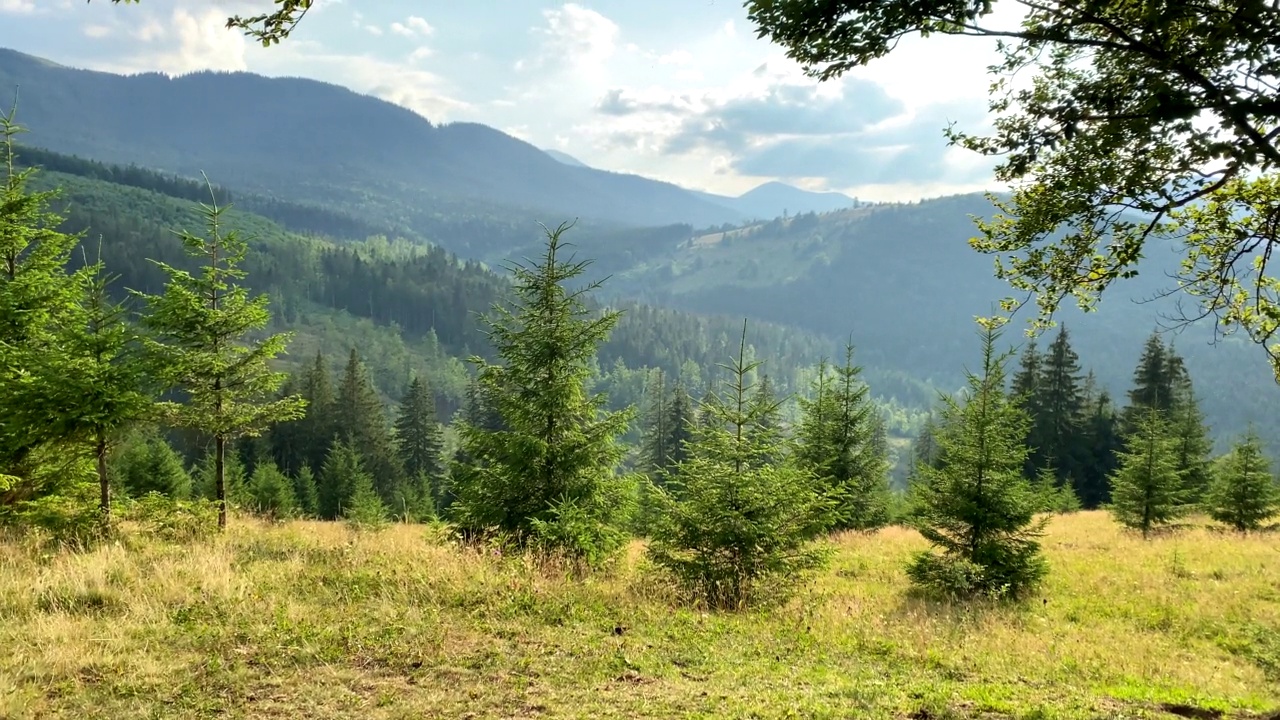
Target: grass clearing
310	619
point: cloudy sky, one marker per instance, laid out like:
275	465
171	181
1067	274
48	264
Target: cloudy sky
680	90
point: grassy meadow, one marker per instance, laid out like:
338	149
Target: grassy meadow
316	620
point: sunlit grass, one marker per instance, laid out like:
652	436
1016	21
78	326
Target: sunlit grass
314	620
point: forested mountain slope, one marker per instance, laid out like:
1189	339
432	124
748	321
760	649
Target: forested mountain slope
408	308
301	142
904	282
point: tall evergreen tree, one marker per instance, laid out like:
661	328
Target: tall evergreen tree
234	478
840	442
361	420
1152	384
1244	494
740	526
681	420
317	427
655	448
100	389
549	476
1058	411
37	296
1146	490
200	326
977	507
420	442
1191	432
1102	443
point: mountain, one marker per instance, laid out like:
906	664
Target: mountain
565	158
305	140
775	199
902	281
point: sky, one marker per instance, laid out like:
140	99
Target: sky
677	90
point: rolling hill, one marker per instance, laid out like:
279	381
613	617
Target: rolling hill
306	140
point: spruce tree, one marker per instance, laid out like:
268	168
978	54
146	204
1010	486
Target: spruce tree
655	446
977	507
681	420
100	386
200	328
1152	384
840	442
420	442
306	492
1146	489
342	473
1244	494
361	420
316	429
549	476
739	526
1058	417
1188	426
270	493
1101	441
144	463
234	478
37	297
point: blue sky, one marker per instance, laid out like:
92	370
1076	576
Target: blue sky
680	90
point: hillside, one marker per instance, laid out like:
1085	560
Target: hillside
409	308
311	619
299	143
902	280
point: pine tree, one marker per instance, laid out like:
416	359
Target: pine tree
144	463
977	507
270	492
306	492
316	429
768	425
1244	494
234	479
1101	441
740	526
477	411
420	442
37	297
342	472
200	326
361	420
549	476
1146	490
99	387
1059	410
1053	495
655	449
364	509
1152	384
680	423
1187	423
840	441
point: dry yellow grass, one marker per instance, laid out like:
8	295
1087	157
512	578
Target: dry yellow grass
314	620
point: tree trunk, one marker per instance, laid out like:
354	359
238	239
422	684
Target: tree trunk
104	483
219	479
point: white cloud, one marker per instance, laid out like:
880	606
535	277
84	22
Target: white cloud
96	31
576	39
373	30
414	26
18	7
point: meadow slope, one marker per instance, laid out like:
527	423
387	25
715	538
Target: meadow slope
314	620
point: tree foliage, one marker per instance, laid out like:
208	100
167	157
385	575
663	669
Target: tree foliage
1147	490
1142	121
547	477
975	505
200	329
1244	493
840	441
737	523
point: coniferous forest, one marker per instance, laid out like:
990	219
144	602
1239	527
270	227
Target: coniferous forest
264	455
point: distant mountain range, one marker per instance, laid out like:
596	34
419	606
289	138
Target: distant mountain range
767	201
900	278
307	140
